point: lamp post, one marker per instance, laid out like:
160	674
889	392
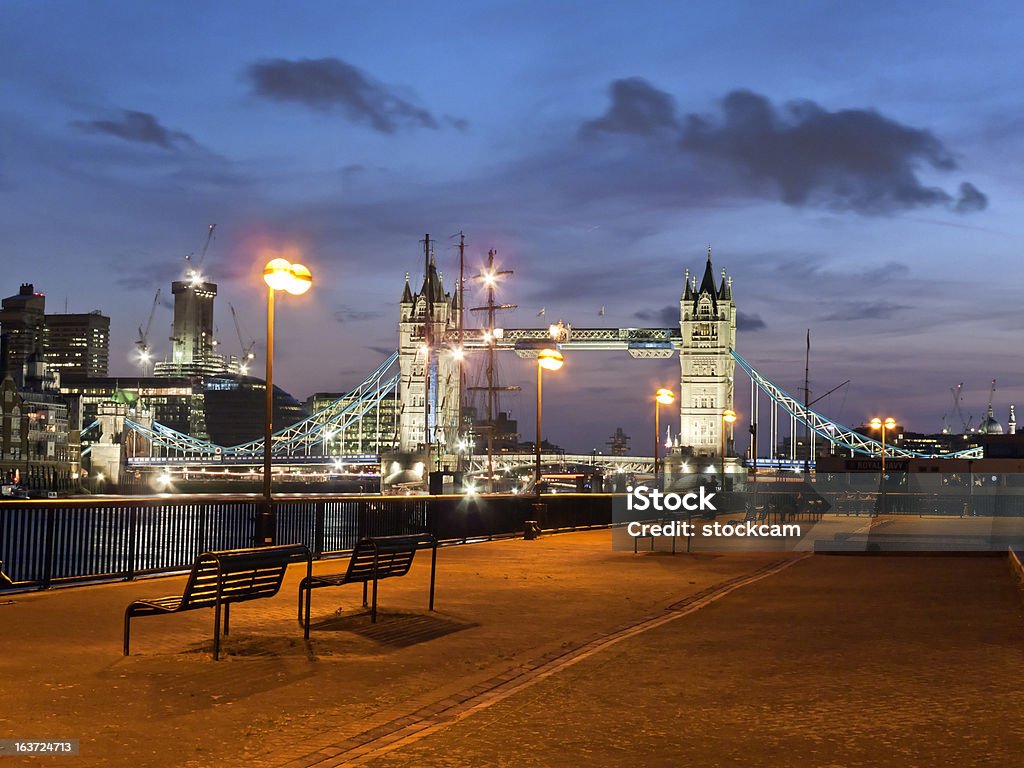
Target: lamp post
877	423
552	360
728	419
884	426
661	397
296	279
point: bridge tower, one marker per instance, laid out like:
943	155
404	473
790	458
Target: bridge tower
707	320
429	380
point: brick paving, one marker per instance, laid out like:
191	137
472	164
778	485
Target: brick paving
837	661
551	652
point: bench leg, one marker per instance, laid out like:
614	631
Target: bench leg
364	593
127	630
433	573
305	626
373	611
227	618
216	631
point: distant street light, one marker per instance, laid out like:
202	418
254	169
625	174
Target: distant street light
877	423
884	426
661	397
296	279
552	360
728	419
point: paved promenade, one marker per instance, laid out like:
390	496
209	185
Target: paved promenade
548	653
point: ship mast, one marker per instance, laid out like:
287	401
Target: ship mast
489	277
462	348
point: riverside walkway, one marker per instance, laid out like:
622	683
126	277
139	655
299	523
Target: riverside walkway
555	652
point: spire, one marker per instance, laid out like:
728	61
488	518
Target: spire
1012	422
407	293
432	283
725	290
707	283
687	292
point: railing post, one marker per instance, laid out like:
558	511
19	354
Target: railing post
48	548
319	521
133	515
201	522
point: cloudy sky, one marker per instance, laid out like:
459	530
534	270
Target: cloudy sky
857	167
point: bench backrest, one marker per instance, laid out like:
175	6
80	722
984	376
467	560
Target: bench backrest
385	556
239	574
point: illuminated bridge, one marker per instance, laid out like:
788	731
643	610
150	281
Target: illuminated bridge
308	441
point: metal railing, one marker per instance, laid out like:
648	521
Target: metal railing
49	543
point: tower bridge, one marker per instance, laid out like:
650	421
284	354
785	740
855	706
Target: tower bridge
414	394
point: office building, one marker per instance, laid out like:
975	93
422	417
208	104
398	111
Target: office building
21	332
77	343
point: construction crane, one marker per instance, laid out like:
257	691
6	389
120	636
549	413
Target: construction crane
196	272
957	399
247	349
987	421
145	350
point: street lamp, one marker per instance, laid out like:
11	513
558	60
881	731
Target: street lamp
885	426
552	360
296	279
877	423
661	397
728	419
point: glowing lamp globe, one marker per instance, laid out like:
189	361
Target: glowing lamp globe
278	274
550	359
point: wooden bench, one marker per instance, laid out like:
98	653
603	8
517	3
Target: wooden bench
373	559
219	579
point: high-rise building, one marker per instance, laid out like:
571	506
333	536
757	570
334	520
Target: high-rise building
21	331
192	341
707	320
77	343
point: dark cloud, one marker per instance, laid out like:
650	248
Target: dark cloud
383	351
971	199
637	107
864	310
345	314
814	269
888	271
141	127
329	84
145	274
666	317
749	322
806	156
460	124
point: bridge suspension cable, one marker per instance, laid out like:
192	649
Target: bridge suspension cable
300	438
836	433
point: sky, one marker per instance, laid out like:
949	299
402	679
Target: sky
856	167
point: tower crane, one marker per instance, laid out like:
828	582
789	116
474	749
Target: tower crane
989	419
957	399
247	353
145	350
196	271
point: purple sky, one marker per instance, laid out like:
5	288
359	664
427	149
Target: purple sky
856	167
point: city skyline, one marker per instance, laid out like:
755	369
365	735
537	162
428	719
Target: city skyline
599	167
